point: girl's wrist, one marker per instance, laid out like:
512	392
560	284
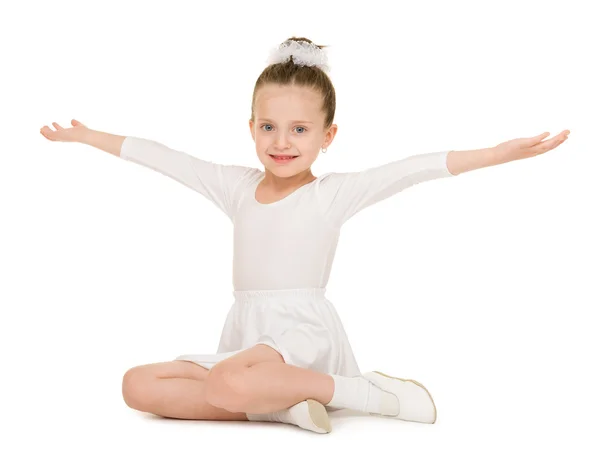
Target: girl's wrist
85	135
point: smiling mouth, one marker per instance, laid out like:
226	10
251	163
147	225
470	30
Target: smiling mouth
284	157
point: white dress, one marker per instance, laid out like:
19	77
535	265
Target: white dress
283	251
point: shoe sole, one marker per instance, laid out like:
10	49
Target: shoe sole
318	415
418	384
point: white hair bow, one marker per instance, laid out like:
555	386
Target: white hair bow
304	54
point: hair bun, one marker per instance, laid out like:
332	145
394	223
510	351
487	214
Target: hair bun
302	52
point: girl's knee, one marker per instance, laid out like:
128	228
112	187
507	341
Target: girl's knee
136	388
225	388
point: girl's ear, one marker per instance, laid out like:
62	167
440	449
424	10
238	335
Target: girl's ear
329	136
252	129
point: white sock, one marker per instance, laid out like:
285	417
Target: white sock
309	414
360	394
282	416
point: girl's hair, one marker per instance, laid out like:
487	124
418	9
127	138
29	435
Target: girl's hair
288	73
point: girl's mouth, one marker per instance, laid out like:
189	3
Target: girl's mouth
283	158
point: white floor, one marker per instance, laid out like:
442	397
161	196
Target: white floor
472	431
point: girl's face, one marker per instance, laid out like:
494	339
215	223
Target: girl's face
289	121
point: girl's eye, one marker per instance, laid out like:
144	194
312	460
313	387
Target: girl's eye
264	126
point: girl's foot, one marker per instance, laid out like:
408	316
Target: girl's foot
415	402
310	415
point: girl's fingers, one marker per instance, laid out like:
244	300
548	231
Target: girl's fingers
47	132
552	143
58	127
529	142
539	137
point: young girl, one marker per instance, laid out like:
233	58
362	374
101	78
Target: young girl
283	354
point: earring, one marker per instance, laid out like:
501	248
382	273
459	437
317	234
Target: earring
324	150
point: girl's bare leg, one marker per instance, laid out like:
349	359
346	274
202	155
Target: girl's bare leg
174	389
258	381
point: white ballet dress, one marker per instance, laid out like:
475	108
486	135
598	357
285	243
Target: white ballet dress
283	251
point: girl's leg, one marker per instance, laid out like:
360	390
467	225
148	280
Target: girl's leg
258	381
174	390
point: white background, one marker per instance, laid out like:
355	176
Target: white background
483	287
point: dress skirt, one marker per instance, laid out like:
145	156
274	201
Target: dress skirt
301	324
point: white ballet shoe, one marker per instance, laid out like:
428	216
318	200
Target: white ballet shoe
309	415
416	404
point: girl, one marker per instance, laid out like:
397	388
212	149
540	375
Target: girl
283	354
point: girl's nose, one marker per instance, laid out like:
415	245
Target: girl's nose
282	142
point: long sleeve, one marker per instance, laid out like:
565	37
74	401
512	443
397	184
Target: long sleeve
217	182
342	195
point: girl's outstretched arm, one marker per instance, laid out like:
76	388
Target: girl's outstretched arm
222	184
342	195
516	149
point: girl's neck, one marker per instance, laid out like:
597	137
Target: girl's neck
281	184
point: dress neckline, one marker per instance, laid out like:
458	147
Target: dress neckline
283	199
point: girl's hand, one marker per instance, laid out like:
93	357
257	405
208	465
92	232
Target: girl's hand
520	148
73	134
